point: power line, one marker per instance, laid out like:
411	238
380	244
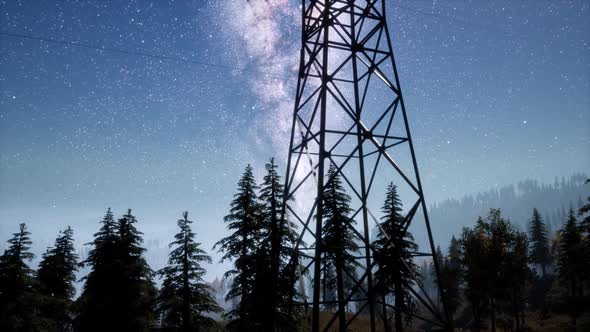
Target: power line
420	11
64	42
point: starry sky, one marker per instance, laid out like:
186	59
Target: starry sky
159	105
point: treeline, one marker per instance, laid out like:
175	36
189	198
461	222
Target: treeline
492	273
267	261
516	202
119	292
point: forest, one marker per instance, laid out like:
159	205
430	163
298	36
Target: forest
494	276
552	200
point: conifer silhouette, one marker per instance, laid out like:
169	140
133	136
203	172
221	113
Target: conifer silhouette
184	297
274	266
136	291
244	221
571	264
584	213
495	268
517	274
96	304
338	242
119	294
539	250
570	254
17	296
394	247
56	277
451	275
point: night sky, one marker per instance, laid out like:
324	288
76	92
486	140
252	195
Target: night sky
159	105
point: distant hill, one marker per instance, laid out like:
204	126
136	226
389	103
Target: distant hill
515	201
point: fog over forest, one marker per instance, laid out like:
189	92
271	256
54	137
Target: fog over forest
516	202
447	217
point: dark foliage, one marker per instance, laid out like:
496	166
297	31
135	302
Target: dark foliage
539	249
491	266
119	294
274	250
450	275
584	213
394	246
516	202
571	265
56	277
184	297
17	294
571	254
338	245
495	269
539	255
244	220
96	304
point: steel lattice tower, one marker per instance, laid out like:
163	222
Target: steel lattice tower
349	112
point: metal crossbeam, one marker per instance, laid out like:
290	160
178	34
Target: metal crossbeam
348	113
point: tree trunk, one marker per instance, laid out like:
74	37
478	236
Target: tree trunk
186	305
475	312
399	303
385	320
573	314
243	312
340	285
274	263
516	308
324	282
522	317
493	311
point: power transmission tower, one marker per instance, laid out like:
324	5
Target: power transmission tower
349	113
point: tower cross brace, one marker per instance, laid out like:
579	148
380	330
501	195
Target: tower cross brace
349	113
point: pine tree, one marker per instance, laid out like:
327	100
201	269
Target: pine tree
570	262
184	297
96	304
136	290
500	247
274	251
244	221
394	247
455	252
450	275
118	294
268	251
570	253
517	274
56	277
539	250
495	268
584	212
17	296
474	249
338	242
